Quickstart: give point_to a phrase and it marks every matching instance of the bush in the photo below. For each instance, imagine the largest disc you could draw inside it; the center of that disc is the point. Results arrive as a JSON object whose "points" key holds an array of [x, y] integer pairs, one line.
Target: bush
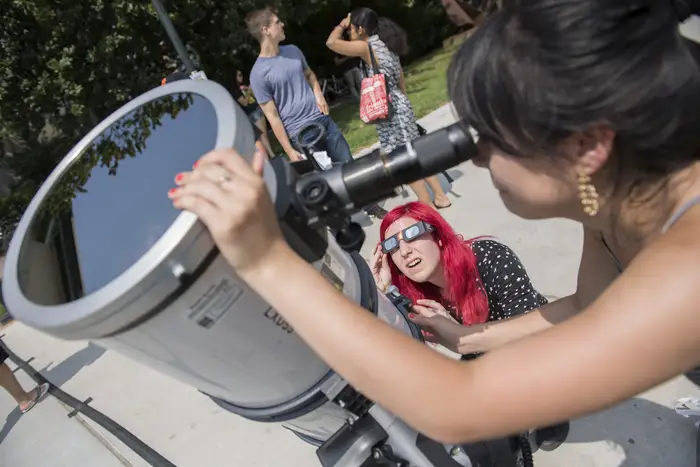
{"points": [[4, 315]]}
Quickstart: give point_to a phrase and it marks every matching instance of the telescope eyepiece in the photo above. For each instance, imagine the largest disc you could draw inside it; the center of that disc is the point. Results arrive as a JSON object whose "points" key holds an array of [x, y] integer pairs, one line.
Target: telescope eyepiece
{"points": [[375, 177]]}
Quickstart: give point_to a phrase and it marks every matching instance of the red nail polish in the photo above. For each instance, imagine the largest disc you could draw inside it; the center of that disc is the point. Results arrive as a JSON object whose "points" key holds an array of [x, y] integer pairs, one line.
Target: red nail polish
{"points": [[178, 177], [411, 315], [196, 164], [172, 191]]}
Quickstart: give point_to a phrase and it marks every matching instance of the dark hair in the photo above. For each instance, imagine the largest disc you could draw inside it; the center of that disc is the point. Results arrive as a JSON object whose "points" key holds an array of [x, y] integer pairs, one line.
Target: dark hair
{"points": [[393, 35], [538, 71], [258, 19], [365, 18]]}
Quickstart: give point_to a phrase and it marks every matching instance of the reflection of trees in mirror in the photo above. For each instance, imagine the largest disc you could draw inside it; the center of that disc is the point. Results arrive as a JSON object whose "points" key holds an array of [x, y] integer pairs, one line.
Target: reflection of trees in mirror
{"points": [[126, 138]]}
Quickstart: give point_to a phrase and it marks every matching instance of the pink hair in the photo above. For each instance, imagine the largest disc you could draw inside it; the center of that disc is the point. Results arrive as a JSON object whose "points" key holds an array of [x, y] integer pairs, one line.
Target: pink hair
{"points": [[457, 259]]}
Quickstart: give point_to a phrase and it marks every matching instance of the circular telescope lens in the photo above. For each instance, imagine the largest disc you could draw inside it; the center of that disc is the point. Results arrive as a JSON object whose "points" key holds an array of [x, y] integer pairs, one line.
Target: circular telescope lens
{"points": [[101, 254], [110, 207]]}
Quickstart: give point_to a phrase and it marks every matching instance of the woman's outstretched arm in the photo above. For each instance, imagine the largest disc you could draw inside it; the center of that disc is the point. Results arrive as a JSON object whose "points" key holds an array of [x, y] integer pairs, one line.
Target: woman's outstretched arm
{"points": [[596, 272], [640, 332]]}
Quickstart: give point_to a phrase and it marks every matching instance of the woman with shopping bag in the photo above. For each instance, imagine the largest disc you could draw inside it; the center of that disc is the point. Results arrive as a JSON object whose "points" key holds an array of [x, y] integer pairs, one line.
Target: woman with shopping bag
{"points": [[383, 100]]}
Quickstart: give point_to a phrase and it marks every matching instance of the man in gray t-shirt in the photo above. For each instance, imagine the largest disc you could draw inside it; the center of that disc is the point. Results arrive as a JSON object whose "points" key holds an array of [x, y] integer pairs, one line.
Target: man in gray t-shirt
{"points": [[282, 80], [290, 96]]}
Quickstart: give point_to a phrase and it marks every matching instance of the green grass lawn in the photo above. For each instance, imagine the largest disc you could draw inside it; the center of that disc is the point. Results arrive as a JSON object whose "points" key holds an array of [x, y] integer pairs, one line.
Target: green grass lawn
{"points": [[426, 80], [3, 315]]}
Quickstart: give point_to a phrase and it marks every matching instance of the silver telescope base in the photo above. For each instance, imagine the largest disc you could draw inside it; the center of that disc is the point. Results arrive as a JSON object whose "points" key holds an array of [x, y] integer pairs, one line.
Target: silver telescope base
{"points": [[380, 439]]}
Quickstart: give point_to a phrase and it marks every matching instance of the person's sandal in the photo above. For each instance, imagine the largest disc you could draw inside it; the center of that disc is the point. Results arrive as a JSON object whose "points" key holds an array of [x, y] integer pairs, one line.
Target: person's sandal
{"points": [[40, 392], [449, 203]]}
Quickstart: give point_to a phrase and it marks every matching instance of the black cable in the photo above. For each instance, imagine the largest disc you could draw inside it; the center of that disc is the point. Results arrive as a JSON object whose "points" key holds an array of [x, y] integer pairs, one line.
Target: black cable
{"points": [[526, 451], [147, 453]]}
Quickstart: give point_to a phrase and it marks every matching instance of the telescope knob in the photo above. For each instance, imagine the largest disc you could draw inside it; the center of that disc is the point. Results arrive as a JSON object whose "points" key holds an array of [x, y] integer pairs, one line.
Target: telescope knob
{"points": [[351, 237], [384, 456]]}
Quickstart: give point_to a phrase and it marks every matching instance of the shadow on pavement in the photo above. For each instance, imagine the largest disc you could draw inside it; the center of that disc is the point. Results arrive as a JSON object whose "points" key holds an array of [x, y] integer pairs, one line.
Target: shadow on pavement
{"points": [[649, 434], [58, 375], [456, 174], [64, 371], [10, 422]]}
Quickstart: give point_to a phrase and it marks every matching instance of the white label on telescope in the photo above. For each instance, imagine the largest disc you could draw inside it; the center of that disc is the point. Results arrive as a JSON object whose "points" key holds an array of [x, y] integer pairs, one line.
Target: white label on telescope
{"points": [[332, 271], [215, 302]]}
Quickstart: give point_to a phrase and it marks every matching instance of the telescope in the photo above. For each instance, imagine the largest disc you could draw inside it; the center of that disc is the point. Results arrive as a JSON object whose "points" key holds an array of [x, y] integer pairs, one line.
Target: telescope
{"points": [[101, 254]]}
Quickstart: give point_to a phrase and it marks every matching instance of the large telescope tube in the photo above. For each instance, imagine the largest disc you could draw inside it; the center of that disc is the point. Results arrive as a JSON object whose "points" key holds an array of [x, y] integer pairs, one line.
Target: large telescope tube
{"points": [[101, 254]]}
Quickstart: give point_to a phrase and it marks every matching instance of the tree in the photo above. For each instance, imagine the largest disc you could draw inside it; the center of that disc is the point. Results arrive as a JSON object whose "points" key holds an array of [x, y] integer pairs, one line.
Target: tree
{"points": [[65, 65], [64, 70]]}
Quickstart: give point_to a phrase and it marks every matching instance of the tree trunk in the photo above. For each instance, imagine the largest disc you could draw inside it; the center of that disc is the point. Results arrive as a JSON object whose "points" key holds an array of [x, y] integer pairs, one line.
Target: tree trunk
{"points": [[460, 13]]}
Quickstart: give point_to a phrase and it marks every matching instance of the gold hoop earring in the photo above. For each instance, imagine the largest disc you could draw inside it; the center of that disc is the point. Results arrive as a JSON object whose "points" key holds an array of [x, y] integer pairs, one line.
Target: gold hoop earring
{"points": [[588, 195]]}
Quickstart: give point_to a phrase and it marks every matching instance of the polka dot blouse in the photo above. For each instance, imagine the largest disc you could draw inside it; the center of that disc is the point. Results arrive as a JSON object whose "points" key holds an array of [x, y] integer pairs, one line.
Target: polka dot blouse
{"points": [[508, 287]]}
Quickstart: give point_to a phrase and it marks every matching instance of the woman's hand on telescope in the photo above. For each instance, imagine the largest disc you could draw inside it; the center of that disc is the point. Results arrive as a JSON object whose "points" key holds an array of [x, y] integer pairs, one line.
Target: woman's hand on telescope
{"points": [[229, 196], [440, 326], [430, 308]]}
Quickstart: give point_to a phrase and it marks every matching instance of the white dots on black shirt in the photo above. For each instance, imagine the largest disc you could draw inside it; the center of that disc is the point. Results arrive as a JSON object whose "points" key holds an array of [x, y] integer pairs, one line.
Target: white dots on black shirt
{"points": [[509, 289]]}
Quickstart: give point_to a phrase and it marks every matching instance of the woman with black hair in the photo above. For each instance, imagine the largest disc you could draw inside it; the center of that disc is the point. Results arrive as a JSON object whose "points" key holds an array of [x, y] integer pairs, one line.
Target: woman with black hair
{"points": [[585, 109], [387, 42]]}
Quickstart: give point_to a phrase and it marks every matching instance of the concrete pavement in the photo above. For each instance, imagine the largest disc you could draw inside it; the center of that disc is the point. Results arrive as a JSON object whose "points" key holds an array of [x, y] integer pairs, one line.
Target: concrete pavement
{"points": [[190, 431], [46, 437]]}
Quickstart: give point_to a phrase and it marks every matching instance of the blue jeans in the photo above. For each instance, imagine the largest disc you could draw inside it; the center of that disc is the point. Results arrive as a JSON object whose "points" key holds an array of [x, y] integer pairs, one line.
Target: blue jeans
{"points": [[333, 142]]}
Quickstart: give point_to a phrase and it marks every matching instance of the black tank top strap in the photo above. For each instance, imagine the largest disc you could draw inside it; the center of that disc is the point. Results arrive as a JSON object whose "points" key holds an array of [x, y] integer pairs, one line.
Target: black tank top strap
{"points": [[612, 254]]}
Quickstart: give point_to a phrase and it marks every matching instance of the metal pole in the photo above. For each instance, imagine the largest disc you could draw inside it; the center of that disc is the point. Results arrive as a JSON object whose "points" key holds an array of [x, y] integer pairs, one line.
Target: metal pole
{"points": [[172, 35]]}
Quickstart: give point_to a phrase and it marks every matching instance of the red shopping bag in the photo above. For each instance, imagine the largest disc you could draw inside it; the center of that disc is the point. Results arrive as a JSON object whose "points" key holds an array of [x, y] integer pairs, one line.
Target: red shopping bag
{"points": [[375, 100]]}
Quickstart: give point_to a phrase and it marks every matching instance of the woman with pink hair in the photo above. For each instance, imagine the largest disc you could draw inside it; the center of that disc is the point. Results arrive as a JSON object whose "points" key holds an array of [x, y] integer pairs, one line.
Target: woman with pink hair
{"points": [[467, 281], [471, 281]]}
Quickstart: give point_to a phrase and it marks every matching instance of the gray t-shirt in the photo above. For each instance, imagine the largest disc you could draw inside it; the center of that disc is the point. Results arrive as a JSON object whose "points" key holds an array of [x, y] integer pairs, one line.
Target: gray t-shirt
{"points": [[281, 79]]}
